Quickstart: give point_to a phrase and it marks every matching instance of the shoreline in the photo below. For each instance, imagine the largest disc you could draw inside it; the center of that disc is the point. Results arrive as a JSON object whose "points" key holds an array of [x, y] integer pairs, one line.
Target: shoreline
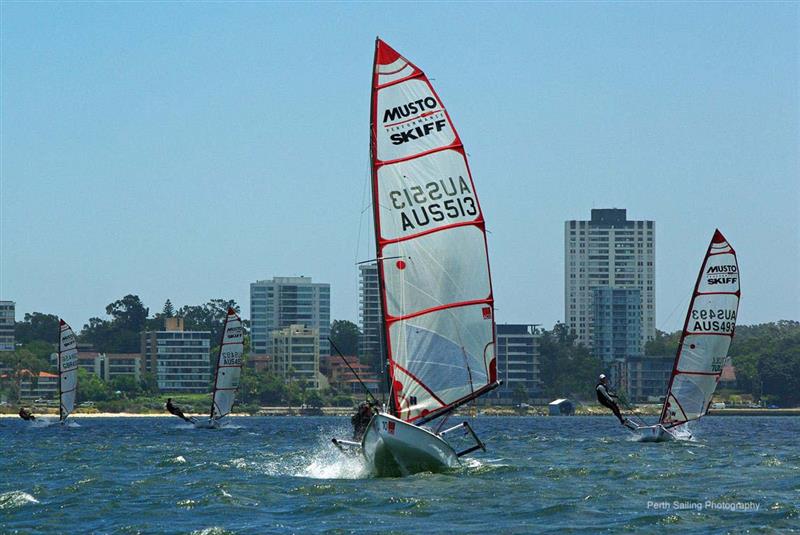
{"points": [[268, 412]]}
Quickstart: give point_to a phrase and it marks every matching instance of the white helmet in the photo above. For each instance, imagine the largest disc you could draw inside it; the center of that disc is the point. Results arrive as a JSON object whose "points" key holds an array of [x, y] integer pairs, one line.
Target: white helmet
{"points": [[602, 376]]}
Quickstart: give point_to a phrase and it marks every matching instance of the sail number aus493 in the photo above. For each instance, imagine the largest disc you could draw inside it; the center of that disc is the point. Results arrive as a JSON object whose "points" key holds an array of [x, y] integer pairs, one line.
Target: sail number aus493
{"points": [[716, 321], [231, 358]]}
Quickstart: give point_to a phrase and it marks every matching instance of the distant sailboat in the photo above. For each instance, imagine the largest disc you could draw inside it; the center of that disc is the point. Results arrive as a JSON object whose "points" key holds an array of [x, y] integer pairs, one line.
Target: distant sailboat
{"points": [[228, 371], [703, 347], [67, 370], [433, 271]]}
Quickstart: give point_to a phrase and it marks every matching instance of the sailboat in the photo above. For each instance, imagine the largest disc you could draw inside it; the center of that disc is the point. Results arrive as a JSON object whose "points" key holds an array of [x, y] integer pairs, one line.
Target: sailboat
{"points": [[228, 372], [703, 347], [433, 273], [67, 371]]}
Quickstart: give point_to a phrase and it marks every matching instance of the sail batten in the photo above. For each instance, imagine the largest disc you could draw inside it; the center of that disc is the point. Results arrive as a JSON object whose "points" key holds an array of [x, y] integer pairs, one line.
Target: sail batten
{"points": [[228, 368], [706, 336], [434, 279]]}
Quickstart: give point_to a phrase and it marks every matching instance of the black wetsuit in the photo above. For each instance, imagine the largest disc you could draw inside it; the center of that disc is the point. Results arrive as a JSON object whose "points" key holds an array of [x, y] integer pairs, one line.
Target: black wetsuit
{"points": [[173, 409], [360, 420], [26, 415], [606, 398]]}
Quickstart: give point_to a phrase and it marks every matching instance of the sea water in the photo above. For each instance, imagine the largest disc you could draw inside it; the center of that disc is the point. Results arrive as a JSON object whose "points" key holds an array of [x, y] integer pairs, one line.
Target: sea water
{"points": [[283, 475]]}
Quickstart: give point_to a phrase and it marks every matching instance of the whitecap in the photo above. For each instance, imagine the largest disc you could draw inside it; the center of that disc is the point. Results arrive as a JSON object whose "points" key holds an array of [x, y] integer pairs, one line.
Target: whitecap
{"points": [[15, 499]]}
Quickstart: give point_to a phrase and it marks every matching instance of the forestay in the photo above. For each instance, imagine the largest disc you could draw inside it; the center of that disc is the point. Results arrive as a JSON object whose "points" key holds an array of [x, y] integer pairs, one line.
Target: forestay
{"points": [[434, 270], [707, 334], [67, 370], [229, 366]]}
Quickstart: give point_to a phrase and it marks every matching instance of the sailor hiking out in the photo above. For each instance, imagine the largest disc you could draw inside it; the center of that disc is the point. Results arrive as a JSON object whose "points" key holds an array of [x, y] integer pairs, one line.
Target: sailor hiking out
{"points": [[174, 409], [607, 398]]}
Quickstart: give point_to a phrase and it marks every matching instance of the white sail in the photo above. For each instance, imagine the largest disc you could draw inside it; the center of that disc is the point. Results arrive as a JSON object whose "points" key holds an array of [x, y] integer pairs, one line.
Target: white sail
{"points": [[67, 370], [229, 366], [437, 297], [707, 335]]}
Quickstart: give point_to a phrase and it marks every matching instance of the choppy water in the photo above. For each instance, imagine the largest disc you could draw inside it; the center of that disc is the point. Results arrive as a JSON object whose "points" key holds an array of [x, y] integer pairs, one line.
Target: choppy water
{"points": [[569, 474]]}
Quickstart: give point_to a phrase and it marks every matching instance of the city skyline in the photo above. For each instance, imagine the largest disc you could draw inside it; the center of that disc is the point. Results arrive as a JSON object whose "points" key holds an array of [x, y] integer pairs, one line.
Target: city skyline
{"points": [[138, 146]]}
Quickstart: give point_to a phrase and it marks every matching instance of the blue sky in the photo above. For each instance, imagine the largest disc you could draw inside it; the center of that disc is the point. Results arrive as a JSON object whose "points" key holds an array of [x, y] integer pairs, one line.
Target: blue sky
{"points": [[182, 150]]}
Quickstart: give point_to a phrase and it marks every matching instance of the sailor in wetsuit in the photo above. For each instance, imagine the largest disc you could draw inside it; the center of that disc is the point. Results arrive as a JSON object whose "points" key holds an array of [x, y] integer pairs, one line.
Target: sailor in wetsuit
{"points": [[26, 414], [174, 409], [608, 398], [361, 419]]}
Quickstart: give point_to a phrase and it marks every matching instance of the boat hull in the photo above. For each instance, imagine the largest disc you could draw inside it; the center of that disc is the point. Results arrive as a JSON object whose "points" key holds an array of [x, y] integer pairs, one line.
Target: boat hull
{"points": [[653, 433], [207, 424], [393, 447]]}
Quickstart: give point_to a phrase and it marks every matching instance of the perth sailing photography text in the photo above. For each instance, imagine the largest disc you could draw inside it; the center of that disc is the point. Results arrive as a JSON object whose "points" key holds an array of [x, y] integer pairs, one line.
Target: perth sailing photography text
{"points": [[434, 300]]}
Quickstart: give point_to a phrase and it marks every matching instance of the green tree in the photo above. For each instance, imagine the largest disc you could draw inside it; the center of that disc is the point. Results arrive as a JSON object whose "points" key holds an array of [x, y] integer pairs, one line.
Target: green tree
{"points": [[519, 394], [127, 384], [663, 344], [128, 313], [148, 384], [344, 335], [567, 369], [37, 326], [313, 398], [208, 317], [91, 387], [169, 310], [20, 363]]}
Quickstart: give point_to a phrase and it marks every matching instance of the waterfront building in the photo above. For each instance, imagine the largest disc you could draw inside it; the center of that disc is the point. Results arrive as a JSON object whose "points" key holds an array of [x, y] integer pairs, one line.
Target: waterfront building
{"points": [[608, 250], [517, 363], [7, 323], [370, 343], [284, 301], [341, 377], [648, 377], [296, 355], [617, 314], [180, 359]]}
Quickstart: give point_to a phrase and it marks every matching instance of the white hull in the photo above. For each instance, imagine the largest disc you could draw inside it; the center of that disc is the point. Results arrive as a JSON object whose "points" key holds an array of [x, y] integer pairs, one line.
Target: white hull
{"points": [[653, 433], [393, 447], [207, 424]]}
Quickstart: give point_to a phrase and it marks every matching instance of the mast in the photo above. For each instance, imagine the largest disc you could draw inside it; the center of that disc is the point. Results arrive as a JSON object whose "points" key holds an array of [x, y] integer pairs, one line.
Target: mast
{"points": [[384, 351]]}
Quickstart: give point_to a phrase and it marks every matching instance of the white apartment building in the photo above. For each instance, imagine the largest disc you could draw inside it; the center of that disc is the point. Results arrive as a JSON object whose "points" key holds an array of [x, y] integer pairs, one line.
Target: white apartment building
{"points": [[180, 359], [370, 343], [284, 301], [6, 325], [296, 354], [608, 250]]}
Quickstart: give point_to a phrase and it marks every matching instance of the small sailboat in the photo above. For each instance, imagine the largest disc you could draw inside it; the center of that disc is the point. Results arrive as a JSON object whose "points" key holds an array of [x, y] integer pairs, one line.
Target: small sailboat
{"points": [[703, 347], [433, 273], [67, 370], [228, 372]]}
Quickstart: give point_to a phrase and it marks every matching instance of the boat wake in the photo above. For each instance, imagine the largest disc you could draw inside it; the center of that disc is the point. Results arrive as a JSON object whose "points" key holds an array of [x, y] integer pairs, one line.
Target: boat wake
{"points": [[15, 499], [319, 461], [40, 423], [327, 462]]}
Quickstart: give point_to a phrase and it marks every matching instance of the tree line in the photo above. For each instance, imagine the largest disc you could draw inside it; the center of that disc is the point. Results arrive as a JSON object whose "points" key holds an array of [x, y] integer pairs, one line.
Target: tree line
{"points": [[120, 332], [766, 358]]}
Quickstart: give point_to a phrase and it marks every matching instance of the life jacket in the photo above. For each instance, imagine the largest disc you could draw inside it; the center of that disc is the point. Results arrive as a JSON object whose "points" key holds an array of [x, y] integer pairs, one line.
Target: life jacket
{"points": [[603, 396]]}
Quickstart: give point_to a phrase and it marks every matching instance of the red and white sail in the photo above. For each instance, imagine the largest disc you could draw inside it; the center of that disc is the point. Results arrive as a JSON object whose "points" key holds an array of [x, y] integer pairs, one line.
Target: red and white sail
{"points": [[229, 366], [431, 244], [707, 335], [67, 370]]}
